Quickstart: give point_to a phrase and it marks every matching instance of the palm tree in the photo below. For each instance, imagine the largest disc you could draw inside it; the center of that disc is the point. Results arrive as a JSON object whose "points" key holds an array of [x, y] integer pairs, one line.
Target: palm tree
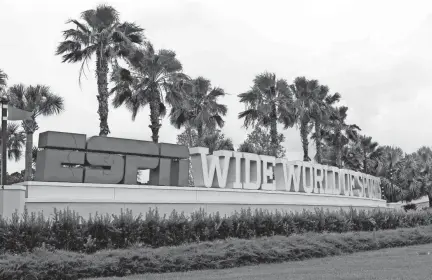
{"points": [[101, 34], [423, 175], [307, 106], [370, 153], [268, 103], [40, 100], [154, 78], [388, 164], [3, 80], [339, 133], [16, 141], [322, 117], [199, 108]]}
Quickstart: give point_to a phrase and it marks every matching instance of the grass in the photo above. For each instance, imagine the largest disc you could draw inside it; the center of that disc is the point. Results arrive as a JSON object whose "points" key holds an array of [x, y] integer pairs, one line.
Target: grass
{"points": [[43, 264], [397, 263]]}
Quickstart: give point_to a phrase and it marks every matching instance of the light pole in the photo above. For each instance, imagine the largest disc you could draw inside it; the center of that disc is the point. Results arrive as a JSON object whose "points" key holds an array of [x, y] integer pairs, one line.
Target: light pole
{"points": [[4, 106]]}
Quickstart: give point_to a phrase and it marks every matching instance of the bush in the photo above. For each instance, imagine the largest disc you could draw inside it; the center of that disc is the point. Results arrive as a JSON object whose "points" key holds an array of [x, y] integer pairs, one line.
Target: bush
{"points": [[410, 206], [66, 230], [48, 265]]}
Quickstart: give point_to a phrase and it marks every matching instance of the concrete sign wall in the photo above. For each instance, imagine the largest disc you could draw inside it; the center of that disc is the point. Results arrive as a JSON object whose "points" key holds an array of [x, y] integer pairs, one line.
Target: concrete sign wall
{"points": [[69, 157]]}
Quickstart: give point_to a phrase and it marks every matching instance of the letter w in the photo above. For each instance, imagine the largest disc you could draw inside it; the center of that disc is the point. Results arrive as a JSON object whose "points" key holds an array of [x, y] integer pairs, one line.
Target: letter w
{"points": [[205, 167]]}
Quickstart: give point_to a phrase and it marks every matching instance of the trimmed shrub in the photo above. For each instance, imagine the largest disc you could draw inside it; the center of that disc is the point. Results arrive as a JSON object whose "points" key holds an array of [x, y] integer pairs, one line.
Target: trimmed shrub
{"points": [[66, 230], [44, 264]]}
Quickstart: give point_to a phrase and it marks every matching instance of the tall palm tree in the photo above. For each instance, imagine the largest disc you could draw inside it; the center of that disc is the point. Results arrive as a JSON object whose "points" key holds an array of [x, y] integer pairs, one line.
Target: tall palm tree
{"points": [[100, 34], [307, 106], [41, 101], [199, 108], [154, 78], [321, 118], [340, 133], [268, 103]]}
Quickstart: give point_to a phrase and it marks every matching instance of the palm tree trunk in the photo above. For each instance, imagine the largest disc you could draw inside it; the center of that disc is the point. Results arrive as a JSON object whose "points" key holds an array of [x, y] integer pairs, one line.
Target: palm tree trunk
{"points": [[364, 163], [102, 82], [189, 131], [200, 134], [318, 142], [154, 117], [304, 140], [338, 152], [273, 131], [28, 157]]}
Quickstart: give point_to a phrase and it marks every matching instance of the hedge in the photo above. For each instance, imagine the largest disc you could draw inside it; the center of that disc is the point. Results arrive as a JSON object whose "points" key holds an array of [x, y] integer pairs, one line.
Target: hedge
{"points": [[47, 265], [66, 230]]}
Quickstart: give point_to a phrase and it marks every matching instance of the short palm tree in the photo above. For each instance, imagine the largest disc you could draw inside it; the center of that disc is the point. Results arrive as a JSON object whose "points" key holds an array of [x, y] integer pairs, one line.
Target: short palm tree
{"points": [[199, 108], [3, 80], [388, 165], [41, 101], [100, 34], [268, 103], [339, 133], [423, 175], [369, 152], [16, 141], [154, 79], [307, 106]]}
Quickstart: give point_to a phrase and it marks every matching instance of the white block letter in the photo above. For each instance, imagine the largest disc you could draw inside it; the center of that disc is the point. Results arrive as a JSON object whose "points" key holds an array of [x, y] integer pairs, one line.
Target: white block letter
{"points": [[252, 171], [268, 163]]}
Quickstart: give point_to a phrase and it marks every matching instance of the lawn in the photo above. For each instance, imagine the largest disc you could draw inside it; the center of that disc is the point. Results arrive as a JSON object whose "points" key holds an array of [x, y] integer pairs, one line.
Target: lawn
{"points": [[411, 263]]}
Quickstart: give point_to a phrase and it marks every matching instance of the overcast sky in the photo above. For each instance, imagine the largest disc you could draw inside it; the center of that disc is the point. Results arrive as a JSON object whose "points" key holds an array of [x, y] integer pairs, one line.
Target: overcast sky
{"points": [[377, 54]]}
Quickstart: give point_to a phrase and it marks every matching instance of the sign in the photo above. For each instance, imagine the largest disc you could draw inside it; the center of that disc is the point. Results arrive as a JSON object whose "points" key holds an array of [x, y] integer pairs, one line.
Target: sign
{"points": [[69, 157], [229, 169]]}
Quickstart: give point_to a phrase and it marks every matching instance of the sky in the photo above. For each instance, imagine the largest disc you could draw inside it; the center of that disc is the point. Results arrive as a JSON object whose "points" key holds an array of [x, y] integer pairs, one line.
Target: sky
{"points": [[376, 54]]}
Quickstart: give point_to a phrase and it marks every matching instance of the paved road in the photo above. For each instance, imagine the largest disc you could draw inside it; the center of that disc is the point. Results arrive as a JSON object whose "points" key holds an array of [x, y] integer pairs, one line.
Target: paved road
{"points": [[391, 264]]}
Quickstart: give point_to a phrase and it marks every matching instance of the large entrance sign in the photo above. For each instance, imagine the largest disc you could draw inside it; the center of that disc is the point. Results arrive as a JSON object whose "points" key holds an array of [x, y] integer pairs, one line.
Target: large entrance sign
{"points": [[228, 169], [71, 158]]}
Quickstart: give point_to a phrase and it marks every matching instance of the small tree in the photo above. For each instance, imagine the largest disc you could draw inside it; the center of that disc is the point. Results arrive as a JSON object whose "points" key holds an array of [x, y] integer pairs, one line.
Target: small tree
{"points": [[257, 143]]}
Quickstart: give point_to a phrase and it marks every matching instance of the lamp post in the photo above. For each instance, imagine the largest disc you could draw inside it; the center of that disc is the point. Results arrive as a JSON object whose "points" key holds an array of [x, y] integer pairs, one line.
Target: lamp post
{"points": [[4, 106]]}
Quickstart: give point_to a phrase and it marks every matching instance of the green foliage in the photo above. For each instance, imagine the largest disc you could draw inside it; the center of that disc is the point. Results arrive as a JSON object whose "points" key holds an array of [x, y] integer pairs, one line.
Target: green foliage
{"points": [[257, 143], [199, 107], [66, 230], [49, 265], [268, 102]]}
